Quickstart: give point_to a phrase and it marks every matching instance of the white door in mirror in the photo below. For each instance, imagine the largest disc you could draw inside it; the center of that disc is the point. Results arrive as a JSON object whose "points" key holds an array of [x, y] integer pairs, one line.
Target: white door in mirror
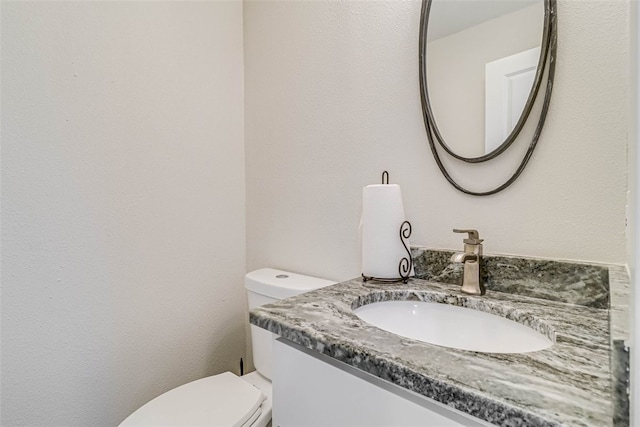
{"points": [[508, 83]]}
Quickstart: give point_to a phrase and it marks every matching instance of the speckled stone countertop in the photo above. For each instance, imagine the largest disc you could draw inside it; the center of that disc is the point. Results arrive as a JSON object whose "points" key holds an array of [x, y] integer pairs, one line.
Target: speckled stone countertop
{"points": [[571, 383]]}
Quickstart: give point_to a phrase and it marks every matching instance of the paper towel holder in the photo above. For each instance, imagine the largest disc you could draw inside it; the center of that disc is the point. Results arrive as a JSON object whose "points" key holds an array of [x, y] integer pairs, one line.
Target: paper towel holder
{"points": [[406, 263]]}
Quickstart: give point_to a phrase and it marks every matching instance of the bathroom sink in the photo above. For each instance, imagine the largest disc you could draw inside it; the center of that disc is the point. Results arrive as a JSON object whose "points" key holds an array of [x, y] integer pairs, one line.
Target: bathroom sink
{"points": [[452, 326]]}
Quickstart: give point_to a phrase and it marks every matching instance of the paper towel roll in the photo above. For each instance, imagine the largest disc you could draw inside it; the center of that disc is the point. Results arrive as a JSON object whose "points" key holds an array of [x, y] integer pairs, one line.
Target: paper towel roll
{"points": [[382, 216]]}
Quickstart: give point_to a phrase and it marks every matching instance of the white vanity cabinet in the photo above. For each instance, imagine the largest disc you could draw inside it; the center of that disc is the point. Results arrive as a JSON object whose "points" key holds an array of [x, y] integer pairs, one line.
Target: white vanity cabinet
{"points": [[311, 389]]}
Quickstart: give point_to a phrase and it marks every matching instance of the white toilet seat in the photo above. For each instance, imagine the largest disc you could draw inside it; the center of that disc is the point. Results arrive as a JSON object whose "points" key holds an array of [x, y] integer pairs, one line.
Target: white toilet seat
{"points": [[264, 385], [220, 400]]}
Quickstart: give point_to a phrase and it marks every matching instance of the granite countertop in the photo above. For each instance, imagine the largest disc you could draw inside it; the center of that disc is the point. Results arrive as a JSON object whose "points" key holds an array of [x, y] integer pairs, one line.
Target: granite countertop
{"points": [[568, 384]]}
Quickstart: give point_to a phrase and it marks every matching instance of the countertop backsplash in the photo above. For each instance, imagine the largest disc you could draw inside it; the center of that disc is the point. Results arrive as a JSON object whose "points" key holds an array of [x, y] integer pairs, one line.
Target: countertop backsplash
{"points": [[564, 281]]}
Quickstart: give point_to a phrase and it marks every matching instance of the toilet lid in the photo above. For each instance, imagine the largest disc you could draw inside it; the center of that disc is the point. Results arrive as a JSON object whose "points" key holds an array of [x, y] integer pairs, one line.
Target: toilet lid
{"points": [[220, 400]]}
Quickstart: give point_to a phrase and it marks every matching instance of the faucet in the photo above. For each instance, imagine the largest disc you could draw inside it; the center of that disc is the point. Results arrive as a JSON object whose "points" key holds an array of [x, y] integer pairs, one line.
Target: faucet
{"points": [[471, 258]]}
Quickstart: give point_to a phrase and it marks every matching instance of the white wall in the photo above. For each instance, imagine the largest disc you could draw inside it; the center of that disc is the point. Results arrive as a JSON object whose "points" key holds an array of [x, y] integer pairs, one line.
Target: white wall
{"points": [[332, 100], [123, 204]]}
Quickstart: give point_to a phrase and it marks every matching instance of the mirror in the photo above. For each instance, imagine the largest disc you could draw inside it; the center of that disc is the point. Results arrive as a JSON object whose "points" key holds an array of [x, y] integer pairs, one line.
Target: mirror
{"points": [[482, 63]]}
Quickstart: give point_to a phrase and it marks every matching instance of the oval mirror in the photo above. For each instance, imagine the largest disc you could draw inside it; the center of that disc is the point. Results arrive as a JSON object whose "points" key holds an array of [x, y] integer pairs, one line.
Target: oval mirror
{"points": [[482, 63]]}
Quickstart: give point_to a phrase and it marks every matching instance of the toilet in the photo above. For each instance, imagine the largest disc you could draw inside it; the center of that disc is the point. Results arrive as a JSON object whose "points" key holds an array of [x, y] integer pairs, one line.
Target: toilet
{"points": [[226, 399]]}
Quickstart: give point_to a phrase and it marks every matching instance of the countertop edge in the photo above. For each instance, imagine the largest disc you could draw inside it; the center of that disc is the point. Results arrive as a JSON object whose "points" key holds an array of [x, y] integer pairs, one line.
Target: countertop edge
{"points": [[619, 297], [481, 406]]}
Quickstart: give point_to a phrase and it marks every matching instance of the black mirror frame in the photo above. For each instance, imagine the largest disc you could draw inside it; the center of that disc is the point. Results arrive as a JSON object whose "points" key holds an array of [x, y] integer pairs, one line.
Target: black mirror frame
{"points": [[546, 61]]}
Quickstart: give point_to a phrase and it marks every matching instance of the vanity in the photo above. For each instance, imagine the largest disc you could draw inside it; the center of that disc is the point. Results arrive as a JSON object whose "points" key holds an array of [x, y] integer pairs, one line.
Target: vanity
{"points": [[333, 368]]}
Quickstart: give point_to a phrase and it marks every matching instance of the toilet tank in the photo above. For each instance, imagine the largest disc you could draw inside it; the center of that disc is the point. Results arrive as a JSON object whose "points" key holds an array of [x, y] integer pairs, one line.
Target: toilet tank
{"points": [[269, 285]]}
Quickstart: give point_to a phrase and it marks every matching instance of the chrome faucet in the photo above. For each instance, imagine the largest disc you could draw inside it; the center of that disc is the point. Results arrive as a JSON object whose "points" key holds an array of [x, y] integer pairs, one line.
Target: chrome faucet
{"points": [[471, 258]]}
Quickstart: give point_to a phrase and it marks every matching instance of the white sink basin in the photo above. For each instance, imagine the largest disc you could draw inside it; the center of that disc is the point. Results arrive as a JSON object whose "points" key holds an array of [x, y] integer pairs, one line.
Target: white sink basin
{"points": [[452, 326]]}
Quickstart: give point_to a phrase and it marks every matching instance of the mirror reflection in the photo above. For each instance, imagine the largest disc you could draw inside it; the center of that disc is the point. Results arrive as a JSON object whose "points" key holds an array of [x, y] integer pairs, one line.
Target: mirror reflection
{"points": [[481, 60]]}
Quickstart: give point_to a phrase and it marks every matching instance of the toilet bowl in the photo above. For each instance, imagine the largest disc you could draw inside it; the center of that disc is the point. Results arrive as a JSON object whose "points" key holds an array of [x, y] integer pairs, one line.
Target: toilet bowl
{"points": [[227, 399]]}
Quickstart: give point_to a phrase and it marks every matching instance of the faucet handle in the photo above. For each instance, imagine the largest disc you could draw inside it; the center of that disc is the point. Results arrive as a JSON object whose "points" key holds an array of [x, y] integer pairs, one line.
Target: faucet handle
{"points": [[474, 236]]}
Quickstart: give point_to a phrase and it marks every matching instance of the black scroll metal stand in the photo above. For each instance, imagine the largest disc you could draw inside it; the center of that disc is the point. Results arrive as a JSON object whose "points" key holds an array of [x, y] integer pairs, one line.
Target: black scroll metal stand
{"points": [[406, 263]]}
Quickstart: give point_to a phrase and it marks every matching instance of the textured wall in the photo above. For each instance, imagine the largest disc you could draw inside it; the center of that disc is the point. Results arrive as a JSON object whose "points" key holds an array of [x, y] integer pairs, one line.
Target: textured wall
{"points": [[122, 204], [332, 100]]}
